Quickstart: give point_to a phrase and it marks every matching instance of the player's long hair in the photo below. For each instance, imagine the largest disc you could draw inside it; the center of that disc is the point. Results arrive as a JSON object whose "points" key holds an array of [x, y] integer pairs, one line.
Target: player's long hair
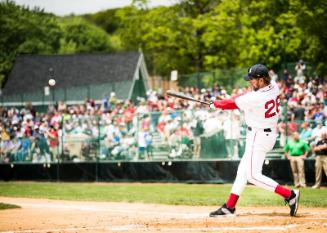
{"points": [[267, 80]]}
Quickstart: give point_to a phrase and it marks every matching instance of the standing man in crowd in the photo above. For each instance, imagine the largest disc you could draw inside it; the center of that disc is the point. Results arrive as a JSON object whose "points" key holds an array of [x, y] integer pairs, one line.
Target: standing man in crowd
{"points": [[53, 139], [197, 131], [232, 134], [306, 132], [299, 68], [261, 108], [316, 134], [296, 150], [321, 159]]}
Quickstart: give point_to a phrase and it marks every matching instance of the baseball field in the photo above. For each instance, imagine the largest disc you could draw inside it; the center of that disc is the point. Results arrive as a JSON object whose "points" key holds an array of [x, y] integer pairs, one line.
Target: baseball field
{"points": [[151, 207]]}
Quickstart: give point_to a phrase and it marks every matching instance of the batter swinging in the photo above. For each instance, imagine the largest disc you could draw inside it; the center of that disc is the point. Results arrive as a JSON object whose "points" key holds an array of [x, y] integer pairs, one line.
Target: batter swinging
{"points": [[261, 107]]}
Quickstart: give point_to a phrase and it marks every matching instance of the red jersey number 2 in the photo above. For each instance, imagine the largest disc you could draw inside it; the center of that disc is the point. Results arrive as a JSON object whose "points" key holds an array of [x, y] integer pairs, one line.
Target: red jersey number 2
{"points": [[272, 107]]}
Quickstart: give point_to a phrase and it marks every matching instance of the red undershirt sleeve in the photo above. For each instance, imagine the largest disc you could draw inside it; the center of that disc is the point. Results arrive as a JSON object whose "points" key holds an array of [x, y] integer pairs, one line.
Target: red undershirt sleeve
{"points": [[228, 104]]}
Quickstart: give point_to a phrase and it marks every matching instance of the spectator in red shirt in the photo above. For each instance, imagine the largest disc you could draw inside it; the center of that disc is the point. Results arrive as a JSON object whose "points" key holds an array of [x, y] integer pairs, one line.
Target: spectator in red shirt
{"points": [[129, 113], [53, 139], [286, 130]]}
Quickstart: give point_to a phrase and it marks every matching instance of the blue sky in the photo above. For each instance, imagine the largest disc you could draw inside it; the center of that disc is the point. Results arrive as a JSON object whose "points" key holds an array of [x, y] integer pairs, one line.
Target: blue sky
{"points": [[66, 7]]}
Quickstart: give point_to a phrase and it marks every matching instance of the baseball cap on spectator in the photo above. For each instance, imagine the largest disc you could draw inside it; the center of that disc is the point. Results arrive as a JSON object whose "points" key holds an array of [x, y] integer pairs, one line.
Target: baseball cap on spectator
{"points": [[256, 71]]}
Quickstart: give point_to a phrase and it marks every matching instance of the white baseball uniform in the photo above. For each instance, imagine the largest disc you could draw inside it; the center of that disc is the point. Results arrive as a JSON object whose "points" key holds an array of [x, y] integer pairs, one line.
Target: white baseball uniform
{"points": [[261, 109]]}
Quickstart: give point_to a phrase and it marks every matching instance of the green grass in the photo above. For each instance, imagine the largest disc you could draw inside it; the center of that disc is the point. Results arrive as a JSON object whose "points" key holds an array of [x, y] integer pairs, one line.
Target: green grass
{"points": [[4, 206], [174, 194]]}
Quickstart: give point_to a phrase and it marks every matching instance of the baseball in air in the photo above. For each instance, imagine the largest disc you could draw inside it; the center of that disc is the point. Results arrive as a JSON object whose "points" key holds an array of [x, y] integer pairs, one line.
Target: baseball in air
{"points": [[52, 82]]}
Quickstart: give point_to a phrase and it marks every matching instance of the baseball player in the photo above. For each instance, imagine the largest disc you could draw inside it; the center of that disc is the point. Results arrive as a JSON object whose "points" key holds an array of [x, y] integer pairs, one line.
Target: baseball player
{"points": [[261, 107]]}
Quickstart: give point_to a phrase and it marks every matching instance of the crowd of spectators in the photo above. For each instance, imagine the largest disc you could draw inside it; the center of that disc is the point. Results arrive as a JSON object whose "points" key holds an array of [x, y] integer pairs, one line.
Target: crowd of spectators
{"points": [[123, 129]]}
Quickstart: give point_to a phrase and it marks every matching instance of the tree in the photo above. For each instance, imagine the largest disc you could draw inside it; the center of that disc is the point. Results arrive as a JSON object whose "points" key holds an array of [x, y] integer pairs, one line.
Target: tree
{"points": [[311, 18], [31, 31], [191, 36], [25, 31], [106, 19], [156, 32], [80, 36], [221, 35]]}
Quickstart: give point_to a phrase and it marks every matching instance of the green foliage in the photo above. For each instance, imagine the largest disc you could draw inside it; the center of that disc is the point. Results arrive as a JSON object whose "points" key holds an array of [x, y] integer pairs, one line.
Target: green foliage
{"points": [[80, 36], [312, 19], [107, 19], [226, 78], [191, 36], [161, 38], [25, 31], [32, 31], [194, 36], [221, 35], [174, 194]]}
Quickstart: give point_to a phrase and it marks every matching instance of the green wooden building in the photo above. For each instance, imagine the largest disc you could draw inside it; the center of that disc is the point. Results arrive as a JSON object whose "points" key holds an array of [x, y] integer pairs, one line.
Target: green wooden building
{"points": [[77, 77]]}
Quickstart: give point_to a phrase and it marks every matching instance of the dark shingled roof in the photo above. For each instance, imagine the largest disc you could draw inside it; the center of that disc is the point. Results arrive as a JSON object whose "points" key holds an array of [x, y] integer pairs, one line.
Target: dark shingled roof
{"points": [[32, 72]]}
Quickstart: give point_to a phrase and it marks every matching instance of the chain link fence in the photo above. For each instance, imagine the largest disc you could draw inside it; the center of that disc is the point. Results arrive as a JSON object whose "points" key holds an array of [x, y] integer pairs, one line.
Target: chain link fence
{"points": [[157, 136]]}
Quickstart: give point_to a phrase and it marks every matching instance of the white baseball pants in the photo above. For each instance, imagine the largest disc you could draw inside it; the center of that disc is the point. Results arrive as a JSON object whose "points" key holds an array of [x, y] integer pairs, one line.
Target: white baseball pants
{"points": [[258, 143]]}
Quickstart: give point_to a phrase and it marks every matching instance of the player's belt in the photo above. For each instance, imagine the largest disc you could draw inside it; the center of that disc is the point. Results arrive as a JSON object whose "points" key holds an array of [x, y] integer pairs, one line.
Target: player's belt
{"points": [[267, 130]]}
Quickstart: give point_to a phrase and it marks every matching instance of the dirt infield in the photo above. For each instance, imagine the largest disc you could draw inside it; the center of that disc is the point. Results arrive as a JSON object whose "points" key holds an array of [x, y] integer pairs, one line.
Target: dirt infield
{"points": [[40, 215]]}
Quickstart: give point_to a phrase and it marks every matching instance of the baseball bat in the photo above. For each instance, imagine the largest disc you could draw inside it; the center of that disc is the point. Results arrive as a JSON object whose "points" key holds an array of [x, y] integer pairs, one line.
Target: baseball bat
{"points": [[185, 97]]}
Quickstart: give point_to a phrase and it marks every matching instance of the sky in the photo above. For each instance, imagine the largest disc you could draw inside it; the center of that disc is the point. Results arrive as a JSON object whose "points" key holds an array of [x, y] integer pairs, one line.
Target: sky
{"points": [[66, 7]]}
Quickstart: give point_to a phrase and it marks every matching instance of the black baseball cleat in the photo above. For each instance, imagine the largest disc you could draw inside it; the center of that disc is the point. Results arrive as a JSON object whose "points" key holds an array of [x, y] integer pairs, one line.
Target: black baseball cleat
{"points": [[293, 201], [224, 210]]}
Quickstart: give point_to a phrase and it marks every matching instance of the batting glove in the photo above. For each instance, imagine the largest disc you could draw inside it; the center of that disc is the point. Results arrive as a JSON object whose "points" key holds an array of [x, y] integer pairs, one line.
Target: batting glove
{"points": [[211, 105]]}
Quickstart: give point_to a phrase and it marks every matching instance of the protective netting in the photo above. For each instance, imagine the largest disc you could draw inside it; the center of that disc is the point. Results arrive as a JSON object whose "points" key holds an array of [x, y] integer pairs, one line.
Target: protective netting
{"points": [[51, 94], [199, 134]]}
